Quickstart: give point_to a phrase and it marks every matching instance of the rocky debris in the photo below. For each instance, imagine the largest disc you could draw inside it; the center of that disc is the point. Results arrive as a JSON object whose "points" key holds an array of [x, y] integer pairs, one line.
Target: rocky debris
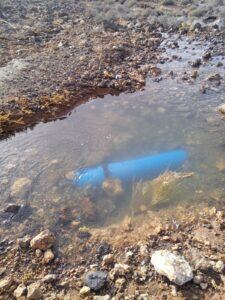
{"points": [[34, 291], [95, 280], [112, 187], [20, 291], [174, 267], [6, 283], [208, 237], [48, 256], [214, 77], [43, 241], [221, 108], [49, 278], [21, 187], [85, 291]]}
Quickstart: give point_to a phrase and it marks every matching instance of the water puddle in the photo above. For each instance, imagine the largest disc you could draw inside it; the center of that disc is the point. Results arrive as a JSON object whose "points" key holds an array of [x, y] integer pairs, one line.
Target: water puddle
{"points": [[36, 165]]}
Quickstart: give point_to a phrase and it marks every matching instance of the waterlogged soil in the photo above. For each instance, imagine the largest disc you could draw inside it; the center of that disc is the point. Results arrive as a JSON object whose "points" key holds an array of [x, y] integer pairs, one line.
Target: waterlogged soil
{"points": [[176, 109]]}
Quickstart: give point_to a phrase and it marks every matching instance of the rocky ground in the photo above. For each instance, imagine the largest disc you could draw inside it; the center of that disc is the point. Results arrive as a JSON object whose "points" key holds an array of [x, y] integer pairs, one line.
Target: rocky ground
{"points": [[56, 54]]}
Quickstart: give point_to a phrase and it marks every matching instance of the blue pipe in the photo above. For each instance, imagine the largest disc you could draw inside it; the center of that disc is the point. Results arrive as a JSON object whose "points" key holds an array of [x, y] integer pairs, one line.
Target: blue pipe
{"points": [[147, 167]]}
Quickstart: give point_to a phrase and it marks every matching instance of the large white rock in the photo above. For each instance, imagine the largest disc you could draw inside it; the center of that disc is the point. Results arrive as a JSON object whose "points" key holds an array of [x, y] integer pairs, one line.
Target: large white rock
{"points": [[174, 267], [221, 108]]}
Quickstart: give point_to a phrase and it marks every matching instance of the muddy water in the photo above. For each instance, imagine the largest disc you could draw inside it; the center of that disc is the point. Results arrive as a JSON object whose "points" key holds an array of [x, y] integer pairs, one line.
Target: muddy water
{"points": [[166, 115]]}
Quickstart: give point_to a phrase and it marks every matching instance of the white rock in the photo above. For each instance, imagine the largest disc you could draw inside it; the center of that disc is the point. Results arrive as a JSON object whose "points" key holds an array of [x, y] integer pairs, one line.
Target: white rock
{"points": [[174, 267], [221, 108], [34, 291], [106, 297], [6, 283], [219, 266], [20, 291]]}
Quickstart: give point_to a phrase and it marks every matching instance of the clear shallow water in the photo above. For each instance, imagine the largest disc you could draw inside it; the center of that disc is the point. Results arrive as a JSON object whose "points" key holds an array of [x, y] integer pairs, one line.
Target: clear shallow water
{"points": [[166, 115]]}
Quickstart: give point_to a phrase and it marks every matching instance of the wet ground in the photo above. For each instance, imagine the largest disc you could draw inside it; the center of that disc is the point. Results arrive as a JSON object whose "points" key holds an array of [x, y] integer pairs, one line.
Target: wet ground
{"points": [[168, 114]]}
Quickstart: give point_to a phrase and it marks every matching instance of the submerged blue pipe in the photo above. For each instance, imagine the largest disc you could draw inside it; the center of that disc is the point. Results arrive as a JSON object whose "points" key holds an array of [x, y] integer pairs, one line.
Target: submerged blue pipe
{"points": [[147, 167]]}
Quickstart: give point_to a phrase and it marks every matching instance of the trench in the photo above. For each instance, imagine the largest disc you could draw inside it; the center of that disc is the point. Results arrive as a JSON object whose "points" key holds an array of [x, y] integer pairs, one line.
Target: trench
{"points": [[168, 114]]}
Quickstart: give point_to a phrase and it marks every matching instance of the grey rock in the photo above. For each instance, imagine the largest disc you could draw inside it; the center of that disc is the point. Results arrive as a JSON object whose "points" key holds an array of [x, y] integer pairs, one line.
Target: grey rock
{"points": [[174, 267], [95, 280]]}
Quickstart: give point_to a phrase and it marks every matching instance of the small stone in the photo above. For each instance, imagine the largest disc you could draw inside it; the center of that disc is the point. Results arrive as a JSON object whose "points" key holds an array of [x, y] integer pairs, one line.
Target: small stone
{"points": [[2, 271], [34, 291], [108, 259], [95, 280], [174, 291], [48, 256], [20, 187], [143, 297], [144, 250], [219, 266], [20, 291], [196, 63], [221, 108], [174, 267], [49, 278], [198, 279], [43, 240], [24, 242], [203, 286], [38, 253], [106, 297], [85, 291], [6, 283], [121, 269], [128, 256]]}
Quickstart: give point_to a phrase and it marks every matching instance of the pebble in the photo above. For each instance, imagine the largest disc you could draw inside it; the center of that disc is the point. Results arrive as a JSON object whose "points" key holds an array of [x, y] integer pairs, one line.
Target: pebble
{"points": [[49, 278], [174, 267], [219, 266], [85, 291], [108, 259], [121, 269], [95, 280], [106, 297], [24, 242], [34, 291], [43, 241], [198, 279], [6, 283], [20, 291], [48, 256]]}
